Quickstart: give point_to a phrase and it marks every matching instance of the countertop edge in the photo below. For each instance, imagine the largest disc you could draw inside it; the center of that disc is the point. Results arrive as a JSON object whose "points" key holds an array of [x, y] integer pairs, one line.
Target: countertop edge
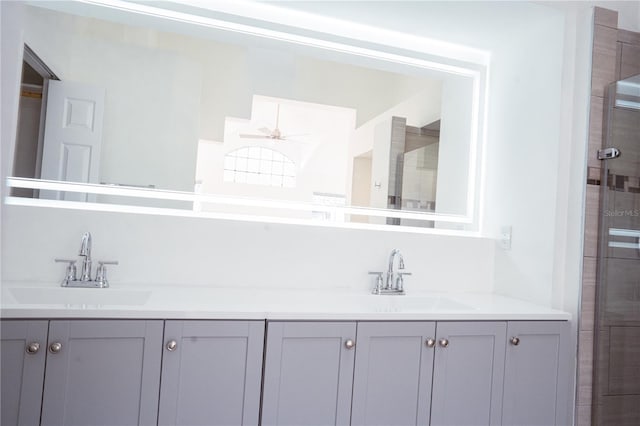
{"points": [[45, 314], [21, 301]]}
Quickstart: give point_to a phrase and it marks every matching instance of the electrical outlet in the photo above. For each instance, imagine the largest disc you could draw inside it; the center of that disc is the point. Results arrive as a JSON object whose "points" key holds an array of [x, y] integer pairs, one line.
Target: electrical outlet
{"points": [[505, 237]]}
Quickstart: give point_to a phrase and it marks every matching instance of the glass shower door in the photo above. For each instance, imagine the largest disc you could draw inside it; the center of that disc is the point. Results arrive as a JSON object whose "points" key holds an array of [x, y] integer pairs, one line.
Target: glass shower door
{"points": [[616, 390]]}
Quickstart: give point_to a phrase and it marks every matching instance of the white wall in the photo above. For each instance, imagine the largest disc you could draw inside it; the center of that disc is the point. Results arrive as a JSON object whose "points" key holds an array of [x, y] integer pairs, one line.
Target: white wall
{"points": [[522, 155], [572, 156], [380, 157], [455, 141], [170, 250]]}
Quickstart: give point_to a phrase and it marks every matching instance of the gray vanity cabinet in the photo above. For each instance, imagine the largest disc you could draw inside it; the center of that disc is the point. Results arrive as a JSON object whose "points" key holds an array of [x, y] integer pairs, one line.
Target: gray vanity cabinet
{"points": [[468, 373], [22, 357], [102, 372], [211, 373], [393, 372], [399, 373], [537, 376], [308, 373]]}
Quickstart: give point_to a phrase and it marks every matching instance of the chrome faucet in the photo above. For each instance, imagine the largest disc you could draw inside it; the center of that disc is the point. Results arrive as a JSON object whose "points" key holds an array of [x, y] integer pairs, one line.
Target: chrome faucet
{"points": [[85, 252], [390, 273], [394, 283], [70, 279]]}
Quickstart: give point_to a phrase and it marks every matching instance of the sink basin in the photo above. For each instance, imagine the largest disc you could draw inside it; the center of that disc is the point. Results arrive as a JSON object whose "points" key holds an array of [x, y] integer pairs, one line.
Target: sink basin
{"points": [[79, 296], [418, 304]]}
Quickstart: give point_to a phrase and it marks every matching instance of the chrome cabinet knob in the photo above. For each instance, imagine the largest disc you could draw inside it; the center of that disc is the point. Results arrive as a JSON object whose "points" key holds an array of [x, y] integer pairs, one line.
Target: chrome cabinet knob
{"points": [[430, 342], [349, 344], [56, 347], [33, 348], [444, 343], [172, 345], [514, 341]]}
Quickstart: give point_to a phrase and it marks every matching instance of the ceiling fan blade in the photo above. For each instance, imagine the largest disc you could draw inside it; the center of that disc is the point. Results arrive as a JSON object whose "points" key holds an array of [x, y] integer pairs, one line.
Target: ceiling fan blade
{"points": [[244, 135], [274, 134]]}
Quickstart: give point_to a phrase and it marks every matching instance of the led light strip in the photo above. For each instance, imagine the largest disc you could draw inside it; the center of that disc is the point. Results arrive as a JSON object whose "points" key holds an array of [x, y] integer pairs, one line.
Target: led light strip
{"points": [[353, 30], [169, 195], [120, 208], [204, 21]]}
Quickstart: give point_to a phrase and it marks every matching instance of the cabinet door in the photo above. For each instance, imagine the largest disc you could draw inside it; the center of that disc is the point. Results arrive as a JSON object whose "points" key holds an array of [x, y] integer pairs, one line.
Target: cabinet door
{"points": [[468, 373], [212, 375], [105, 372], [22, 353], [536, 383], [393, 371], [308, 374]]}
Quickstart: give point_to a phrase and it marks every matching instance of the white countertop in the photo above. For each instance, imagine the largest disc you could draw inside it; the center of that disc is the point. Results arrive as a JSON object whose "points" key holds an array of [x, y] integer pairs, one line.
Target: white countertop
{"points": [[28, 300]]}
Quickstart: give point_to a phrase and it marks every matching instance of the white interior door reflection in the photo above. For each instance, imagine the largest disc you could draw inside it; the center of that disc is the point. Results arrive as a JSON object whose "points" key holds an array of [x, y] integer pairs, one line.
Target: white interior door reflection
{"points": [[72, 136]]}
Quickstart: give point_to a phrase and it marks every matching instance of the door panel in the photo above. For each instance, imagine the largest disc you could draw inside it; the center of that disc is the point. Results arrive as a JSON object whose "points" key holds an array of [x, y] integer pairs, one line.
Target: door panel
{"points": [[537, 374], [22, 372], [468, 374], [308, 374], [106, 372], [393, 372], [214, 374], [617, 320], [72, 136]]}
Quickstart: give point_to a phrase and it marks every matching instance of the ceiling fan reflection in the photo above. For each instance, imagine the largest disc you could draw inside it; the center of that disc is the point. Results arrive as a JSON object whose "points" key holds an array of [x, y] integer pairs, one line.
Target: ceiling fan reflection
{"points": [[273, 134]]}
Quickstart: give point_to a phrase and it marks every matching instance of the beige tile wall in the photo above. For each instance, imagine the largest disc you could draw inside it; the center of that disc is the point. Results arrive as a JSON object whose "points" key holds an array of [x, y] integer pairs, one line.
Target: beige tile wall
{"points": [[604, 71], [616, 55]]}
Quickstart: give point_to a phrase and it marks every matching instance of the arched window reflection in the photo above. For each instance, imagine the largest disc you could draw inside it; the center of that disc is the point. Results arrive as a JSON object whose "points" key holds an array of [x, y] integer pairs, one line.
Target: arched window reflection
{"points": [[257, 165]]}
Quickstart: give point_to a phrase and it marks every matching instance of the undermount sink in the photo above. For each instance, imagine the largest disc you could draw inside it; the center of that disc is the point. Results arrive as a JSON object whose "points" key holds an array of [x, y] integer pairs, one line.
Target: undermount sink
{"points": [[419, 304], [79, 296]]}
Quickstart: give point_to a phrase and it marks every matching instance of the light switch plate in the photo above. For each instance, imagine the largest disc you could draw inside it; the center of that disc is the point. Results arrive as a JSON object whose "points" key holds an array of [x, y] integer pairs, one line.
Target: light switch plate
{"points": [[506, 233]]}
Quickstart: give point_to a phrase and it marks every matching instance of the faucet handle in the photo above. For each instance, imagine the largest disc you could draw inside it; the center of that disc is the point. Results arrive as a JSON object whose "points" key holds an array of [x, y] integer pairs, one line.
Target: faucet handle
{"points": [[400, 280], [379, 282], [70, 274], [101, 272]]}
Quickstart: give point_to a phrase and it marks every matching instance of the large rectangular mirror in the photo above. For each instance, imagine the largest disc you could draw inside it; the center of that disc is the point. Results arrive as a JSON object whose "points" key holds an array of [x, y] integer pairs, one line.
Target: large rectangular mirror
{"points": [[347, 133]]}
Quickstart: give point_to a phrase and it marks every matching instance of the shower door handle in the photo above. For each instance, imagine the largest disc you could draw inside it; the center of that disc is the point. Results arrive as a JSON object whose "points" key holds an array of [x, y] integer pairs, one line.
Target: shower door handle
{"points": [[608, 153]]}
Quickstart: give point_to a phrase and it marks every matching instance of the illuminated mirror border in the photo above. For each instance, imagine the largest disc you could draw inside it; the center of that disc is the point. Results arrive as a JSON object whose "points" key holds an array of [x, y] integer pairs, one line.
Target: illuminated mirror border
{"points": [[477, 71], [334, 213]]}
